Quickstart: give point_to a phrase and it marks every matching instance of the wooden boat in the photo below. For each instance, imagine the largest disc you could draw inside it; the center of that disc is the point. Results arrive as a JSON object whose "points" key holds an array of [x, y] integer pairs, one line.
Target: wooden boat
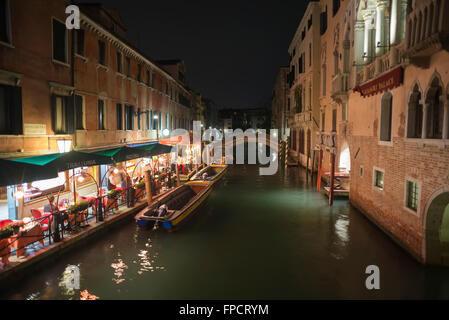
{"points": [[211, 173], [175, 207], [341, 184]]}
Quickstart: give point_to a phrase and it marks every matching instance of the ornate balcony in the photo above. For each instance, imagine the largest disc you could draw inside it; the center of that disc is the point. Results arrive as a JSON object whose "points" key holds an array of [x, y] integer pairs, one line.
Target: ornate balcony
{"points": [[427, 31], [340, 86], [327, 141]]}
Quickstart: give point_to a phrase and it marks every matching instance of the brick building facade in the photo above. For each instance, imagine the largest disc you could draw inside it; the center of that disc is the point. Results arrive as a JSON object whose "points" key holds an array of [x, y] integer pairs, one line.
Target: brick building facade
{"points": [[384, 96], [86, 89]]}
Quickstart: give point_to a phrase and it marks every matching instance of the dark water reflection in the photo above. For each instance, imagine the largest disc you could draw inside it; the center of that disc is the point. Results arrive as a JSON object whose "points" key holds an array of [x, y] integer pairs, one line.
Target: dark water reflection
{"points": [[261, 237]]}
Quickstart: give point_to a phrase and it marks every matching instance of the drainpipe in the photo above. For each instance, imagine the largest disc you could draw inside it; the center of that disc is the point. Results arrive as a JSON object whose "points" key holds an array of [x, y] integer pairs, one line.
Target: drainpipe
{"points": [[72, 71]]}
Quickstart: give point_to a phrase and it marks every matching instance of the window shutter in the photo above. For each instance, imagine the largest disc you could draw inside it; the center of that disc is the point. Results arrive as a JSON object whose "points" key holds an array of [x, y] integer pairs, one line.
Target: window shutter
{"points": [[16, 111], [131, 110], [53, 113], [70, 114]]}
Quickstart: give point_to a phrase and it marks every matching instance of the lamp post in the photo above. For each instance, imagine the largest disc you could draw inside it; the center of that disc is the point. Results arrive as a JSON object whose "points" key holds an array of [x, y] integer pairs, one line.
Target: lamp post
{"points": [[99, 207], [156, 117]]}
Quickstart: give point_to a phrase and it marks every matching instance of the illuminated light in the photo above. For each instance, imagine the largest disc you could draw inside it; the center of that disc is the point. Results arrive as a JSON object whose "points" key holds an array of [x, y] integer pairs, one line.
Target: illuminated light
{"points": [[166, 132], [64, 145], [155, 117], [116, 171], [19, 194], [80, 179]]}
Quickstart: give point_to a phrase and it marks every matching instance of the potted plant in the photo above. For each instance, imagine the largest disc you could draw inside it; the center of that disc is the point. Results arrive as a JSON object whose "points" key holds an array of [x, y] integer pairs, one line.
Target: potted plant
{"points": [[113, 194], [6, 232], [16, 226], [78, 207], [140, 185]]}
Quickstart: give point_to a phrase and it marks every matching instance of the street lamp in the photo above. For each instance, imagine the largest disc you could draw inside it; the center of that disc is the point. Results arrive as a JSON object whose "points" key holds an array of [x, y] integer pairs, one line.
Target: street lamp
{"points": [[81, 178]]}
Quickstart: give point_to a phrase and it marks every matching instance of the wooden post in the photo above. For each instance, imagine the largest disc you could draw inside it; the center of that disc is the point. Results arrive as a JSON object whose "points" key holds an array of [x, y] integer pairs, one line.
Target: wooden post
{"points": [[148, 186], [286, 154], [74, 186], [320, 168], [178, 180], [331, 193]]}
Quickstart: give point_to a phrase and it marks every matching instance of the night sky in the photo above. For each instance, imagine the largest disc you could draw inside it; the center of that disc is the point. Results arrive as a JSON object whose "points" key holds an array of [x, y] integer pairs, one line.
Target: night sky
{"points": [[232, 49]]}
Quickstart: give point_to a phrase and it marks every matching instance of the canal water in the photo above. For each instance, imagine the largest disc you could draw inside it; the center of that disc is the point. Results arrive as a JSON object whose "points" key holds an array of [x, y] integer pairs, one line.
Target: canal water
{"points": [[257, 237]]}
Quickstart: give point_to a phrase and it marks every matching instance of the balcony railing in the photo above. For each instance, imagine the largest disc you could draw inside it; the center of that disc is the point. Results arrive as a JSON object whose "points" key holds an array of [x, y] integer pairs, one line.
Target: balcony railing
{"points": [[427, 31], [303, 117], [340, 86], [327, 141]]}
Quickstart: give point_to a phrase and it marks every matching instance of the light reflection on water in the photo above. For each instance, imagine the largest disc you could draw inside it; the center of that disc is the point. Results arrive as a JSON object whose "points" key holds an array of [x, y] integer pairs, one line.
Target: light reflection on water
{"points": [[258, 237]]}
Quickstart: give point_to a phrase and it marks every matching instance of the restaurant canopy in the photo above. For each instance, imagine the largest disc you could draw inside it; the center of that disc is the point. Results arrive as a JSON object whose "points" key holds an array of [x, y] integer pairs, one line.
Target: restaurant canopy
{"points": [[182, 140], [122, 154], [154, 149], [67, 161], [12, 173]]}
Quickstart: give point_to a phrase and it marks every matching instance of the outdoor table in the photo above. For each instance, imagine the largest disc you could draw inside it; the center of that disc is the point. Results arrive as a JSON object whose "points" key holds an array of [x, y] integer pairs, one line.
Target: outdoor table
{"points": [[78, 217], [110, 204], [27, 235], [5, 251]]}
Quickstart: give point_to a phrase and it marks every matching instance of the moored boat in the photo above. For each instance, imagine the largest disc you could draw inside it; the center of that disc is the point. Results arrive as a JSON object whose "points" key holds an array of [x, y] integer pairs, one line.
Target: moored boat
{"points": [[212, 173], [174, 208]]}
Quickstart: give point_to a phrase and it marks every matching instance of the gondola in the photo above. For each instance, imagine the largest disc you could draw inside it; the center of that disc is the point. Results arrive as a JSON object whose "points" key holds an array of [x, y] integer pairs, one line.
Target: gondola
{"points": [[174, 208], [212, 173]]}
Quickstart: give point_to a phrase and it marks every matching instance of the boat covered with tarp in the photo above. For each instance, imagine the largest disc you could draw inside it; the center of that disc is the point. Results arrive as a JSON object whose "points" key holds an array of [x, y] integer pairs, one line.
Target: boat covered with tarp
{"points": [[212, 173], [176, 206]]}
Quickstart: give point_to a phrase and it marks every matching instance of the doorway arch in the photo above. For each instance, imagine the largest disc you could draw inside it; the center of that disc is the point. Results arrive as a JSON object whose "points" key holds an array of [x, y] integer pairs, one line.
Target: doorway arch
{"points": [[344, 163], [437, 230]]}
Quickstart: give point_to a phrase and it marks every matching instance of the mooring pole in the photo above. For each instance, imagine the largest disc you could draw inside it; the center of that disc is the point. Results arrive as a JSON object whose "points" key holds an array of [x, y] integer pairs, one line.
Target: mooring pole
{"points": [[320, 168], [148, 186], [331, 193]]}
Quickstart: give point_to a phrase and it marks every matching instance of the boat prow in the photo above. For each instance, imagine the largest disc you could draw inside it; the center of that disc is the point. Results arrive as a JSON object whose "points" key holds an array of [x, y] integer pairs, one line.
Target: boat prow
{"points": [[175, 207]]}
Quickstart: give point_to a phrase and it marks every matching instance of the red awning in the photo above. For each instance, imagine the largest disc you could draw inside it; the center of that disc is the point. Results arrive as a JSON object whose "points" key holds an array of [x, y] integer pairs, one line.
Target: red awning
{"points": [[386, 82], [183, 140]]}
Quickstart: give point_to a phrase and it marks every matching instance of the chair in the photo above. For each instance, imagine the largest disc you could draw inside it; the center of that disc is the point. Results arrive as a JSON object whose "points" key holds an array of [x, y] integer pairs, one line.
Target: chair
{"points": [[45, 223]]}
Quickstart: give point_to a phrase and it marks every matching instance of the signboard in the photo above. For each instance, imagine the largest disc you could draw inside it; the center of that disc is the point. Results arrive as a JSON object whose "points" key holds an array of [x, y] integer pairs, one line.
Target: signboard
{"points": [[32, 129], [386, 82]]}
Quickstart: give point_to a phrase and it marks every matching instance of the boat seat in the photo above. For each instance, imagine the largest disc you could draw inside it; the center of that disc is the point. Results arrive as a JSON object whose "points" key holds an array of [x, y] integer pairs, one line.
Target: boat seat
{"points": [[180, 200]]}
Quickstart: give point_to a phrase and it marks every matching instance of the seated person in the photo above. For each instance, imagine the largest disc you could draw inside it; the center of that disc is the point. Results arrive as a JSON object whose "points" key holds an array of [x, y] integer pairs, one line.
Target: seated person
{"points": [[51, 206]]}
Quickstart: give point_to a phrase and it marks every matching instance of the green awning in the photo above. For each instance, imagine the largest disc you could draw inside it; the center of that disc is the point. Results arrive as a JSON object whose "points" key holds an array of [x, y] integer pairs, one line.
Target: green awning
{"points": [[154, 149], [12, 173], [122, 154], [67, 161]]}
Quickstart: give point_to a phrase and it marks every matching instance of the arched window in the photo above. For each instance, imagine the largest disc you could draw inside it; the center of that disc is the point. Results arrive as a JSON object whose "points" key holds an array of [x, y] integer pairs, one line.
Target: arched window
{"points": [[386, 113], [435, 111], [415, 115]]}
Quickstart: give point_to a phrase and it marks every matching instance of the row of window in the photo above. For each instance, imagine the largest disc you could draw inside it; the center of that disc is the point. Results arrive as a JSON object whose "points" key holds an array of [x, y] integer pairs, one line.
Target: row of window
{"points": [[411, 189], [434, 114], [123, 63], [68, 114]]}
